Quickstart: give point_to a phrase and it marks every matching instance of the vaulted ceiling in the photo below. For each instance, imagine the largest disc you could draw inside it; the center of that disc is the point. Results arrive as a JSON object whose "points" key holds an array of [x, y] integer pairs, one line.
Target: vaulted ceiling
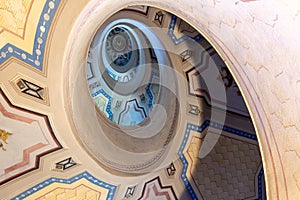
{"points": [[178, 128]]}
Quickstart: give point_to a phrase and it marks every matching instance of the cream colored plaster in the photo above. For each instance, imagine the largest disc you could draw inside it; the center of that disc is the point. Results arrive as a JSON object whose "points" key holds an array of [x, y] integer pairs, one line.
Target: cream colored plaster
{"points": [[250, 36], [259, 41], [18, 22]]}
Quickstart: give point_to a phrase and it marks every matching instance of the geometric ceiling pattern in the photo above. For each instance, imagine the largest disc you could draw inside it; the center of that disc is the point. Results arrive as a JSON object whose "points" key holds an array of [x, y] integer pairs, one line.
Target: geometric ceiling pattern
{"points": [[180, 31], [31, 137], [212, 175], [197, 87], [233, 167], [81, 186], [124, 64], [14, 18], [153, 189], [22, 39], [29, 89], [232, 170]]}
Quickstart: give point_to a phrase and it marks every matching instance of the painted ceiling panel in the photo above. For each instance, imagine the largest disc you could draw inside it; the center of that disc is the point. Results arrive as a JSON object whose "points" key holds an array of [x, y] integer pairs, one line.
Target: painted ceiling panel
{"points": [[14, 16], [24, 30], [30, 137], [29, 140]]}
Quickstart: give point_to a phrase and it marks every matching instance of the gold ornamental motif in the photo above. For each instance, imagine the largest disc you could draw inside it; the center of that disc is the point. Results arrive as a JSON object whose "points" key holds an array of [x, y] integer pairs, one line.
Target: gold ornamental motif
{"points": [[4, 136]]}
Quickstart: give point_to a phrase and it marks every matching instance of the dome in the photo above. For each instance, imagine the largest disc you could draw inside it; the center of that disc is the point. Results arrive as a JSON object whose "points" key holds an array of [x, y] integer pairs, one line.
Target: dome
{"points": [[160, 100], [126, 79]]}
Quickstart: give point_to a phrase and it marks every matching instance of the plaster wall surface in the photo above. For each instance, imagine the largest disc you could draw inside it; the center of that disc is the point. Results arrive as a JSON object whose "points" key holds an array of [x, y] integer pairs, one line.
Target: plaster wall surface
{"points": [[258, 40]]}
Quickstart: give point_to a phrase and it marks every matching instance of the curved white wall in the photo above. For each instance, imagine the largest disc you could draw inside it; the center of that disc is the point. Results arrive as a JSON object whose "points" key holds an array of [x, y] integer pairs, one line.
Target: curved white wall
{"points": [[259, 41]]}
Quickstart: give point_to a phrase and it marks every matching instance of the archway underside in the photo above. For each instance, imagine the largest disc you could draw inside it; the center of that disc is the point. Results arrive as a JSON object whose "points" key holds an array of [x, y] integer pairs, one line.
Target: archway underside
{"points": [[45, 146]]}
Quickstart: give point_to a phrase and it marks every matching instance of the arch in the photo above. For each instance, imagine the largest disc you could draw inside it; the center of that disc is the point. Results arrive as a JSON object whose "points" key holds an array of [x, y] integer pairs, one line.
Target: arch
{"points": [[241, 34]]}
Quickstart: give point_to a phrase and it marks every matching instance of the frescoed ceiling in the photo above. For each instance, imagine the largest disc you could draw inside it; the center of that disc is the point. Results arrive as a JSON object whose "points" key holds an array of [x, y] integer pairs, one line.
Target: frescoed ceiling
{"points": [[24, 28], [14, 16], [46, 154], [26, 136]]}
